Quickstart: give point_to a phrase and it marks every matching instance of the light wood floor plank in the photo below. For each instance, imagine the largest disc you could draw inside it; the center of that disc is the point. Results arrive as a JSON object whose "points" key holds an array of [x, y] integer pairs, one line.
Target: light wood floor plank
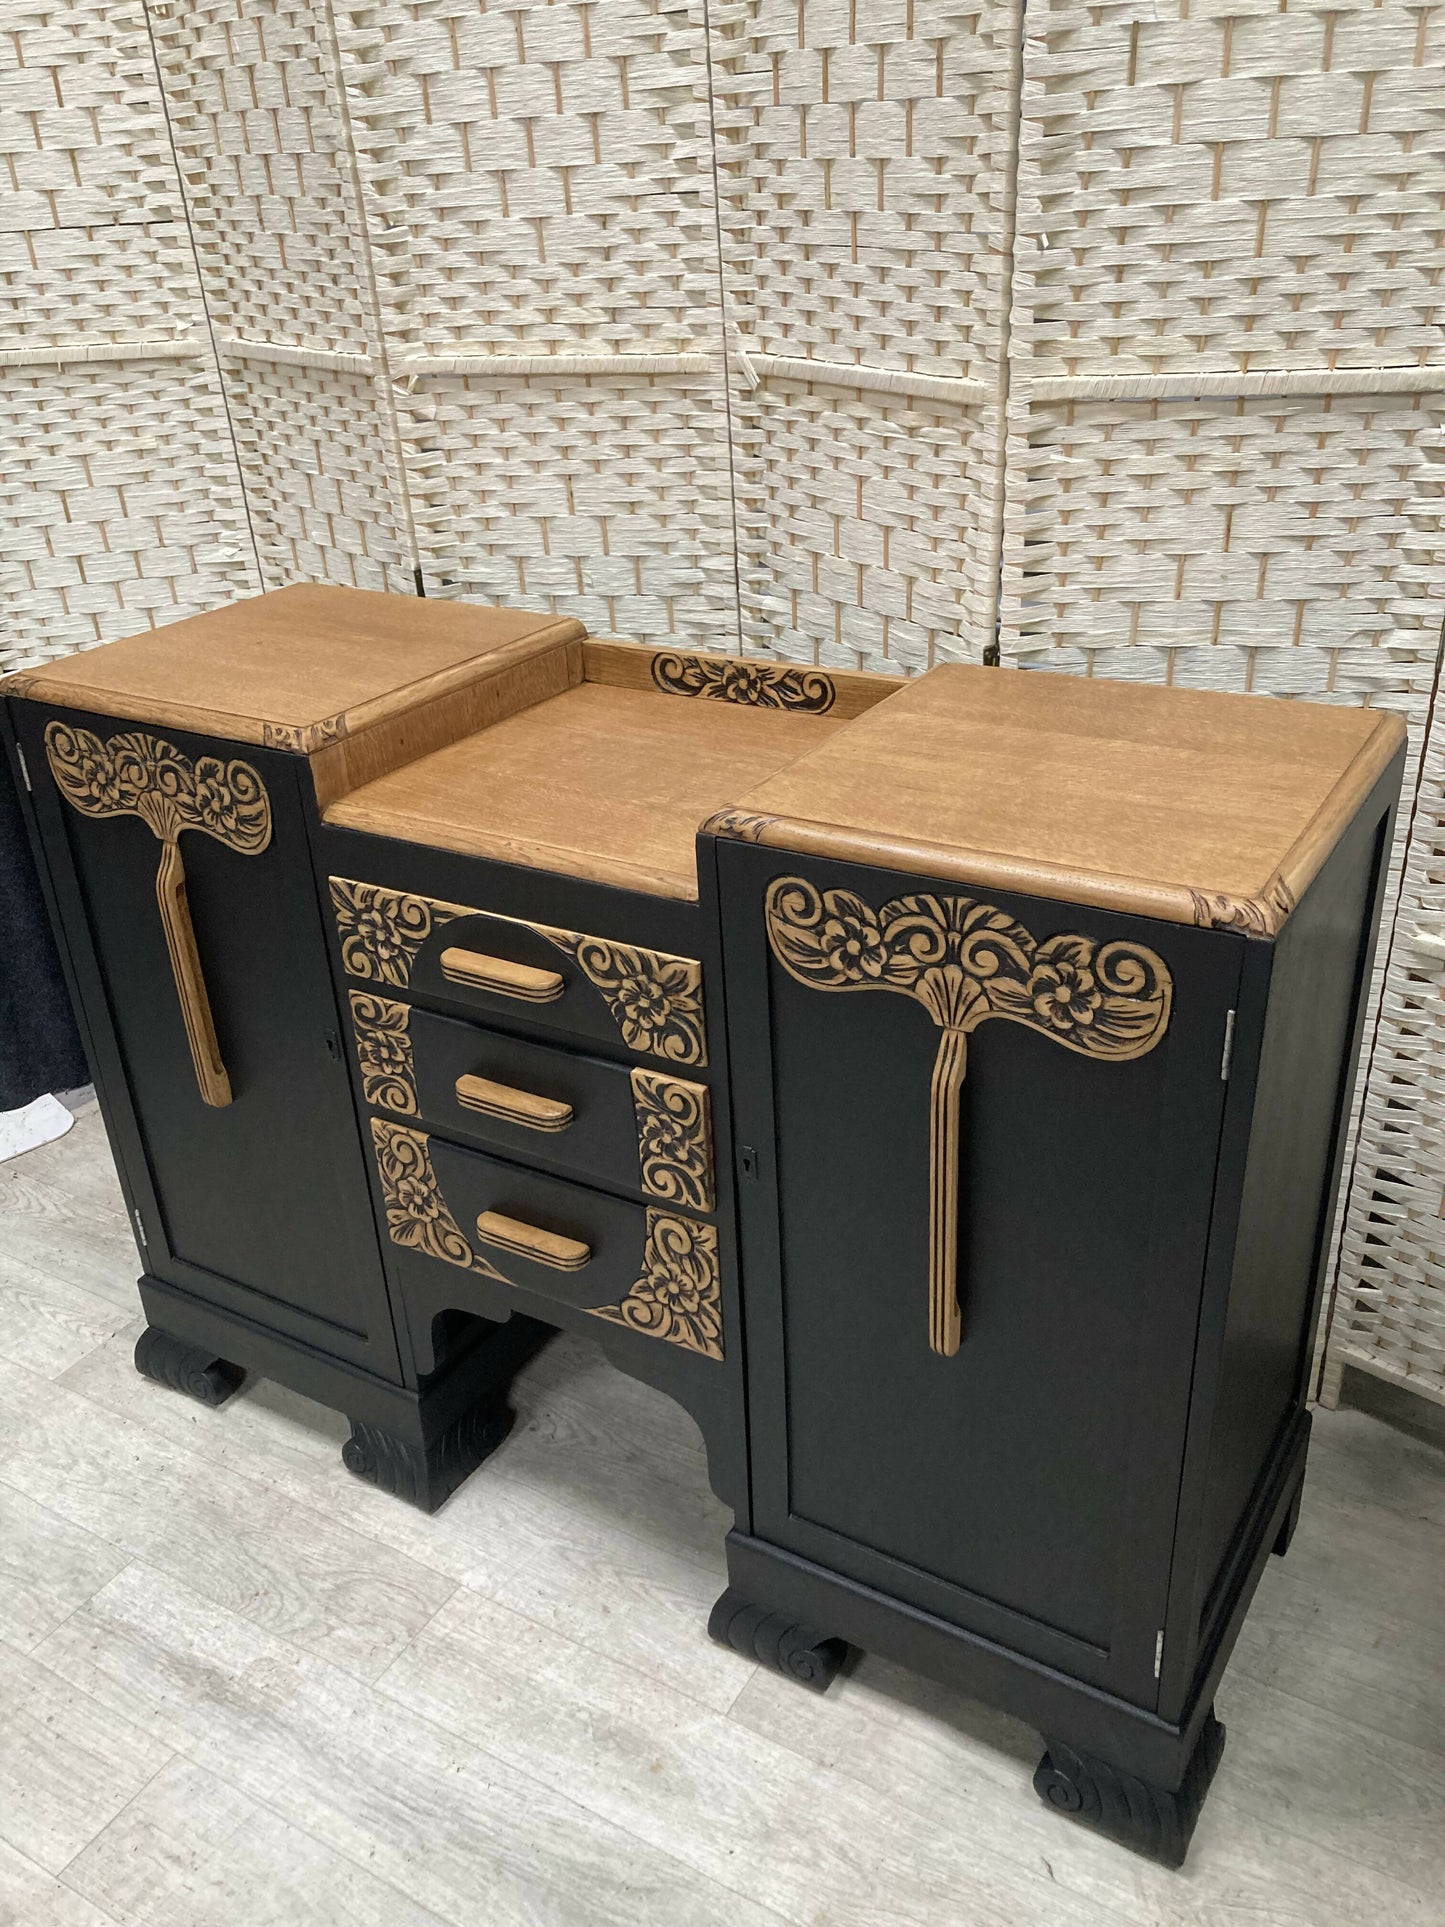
{"points": [[31, 1897], [420, 1808], [46, 1322], [48, 1567], [192, 1851], [509, 1715], [287, 1567], [67, 1764], [807, 1841]]}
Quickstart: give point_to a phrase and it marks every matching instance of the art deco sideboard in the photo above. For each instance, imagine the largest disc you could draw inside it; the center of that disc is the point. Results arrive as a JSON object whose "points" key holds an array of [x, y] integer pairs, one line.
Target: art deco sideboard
{"points": [[936, 1086]]}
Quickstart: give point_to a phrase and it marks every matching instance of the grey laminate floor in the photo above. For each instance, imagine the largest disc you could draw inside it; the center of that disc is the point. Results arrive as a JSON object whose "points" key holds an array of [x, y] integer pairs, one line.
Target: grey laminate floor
{"points": [[237, 1686]]}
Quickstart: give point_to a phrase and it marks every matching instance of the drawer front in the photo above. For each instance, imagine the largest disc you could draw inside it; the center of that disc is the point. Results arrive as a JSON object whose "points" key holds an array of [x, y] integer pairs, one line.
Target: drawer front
{"points": [[636, 1128], [640, 1002], [651, 1268]]}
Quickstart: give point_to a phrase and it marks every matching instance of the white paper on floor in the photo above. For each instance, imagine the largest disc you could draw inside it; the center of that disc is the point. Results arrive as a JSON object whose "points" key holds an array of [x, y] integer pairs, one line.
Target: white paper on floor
{"points": [[32, 1125]]}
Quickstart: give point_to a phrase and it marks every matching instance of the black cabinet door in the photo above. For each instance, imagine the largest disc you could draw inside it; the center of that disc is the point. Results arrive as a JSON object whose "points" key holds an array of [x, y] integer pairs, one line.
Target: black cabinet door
{"points": [[260, 1205], [1025, 1486]]}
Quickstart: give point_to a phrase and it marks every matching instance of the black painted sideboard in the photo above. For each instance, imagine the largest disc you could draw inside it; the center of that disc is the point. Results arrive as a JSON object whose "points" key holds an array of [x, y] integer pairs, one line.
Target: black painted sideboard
{"points": [[937, 1086]]}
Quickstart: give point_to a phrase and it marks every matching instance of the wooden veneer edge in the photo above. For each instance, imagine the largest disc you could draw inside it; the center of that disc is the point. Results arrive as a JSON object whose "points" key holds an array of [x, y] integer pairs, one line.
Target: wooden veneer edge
{"points": [[500, 685], [1262, 913], [36, 685], [1305, 857]]}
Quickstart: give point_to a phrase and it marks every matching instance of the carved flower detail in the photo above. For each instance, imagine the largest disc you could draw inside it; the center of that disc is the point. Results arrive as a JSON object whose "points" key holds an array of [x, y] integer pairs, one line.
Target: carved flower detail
{"points": [[853, 946], [97, 775], [416, 1198], [649, 1001], [380, 935], [677, 1294], [1064, 992], [388, 1052], [216, 802], [745, 682]]}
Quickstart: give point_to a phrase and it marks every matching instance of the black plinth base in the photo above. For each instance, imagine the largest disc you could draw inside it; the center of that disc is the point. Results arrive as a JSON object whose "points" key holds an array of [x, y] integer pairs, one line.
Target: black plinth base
{"points": [[185, 1368], [1151, 1819], [797, 1652], [427, 1472]]}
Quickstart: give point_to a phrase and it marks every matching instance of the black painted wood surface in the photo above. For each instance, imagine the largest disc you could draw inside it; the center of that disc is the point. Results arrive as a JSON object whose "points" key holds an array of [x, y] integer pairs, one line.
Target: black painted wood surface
{"points": [[259, 1207]]}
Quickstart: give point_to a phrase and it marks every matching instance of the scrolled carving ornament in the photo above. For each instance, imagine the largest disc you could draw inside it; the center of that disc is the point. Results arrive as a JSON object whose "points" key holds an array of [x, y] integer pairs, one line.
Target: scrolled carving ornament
{"points": [[674, 1139], [678, 1296], [417, 1217], [758, 685], [137, 774], [966, 962], [381, 1028]]}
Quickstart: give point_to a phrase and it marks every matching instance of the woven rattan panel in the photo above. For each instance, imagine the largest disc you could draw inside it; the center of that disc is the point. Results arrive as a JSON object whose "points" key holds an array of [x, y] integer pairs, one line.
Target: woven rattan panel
{"points": [[120, 502], [1228, 286], [254, 94], [864, 155], [539, 186], [1224, 439]]}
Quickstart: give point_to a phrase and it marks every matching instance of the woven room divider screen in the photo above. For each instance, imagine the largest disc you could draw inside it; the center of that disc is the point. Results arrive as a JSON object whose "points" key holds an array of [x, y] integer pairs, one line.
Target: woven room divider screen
{"points": [[865, 334]]}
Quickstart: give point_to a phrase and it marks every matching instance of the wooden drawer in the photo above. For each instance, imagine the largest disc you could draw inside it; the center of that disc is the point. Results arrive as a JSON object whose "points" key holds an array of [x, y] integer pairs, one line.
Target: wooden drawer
{"points": [[649, 1267], [636, 1128], [643, 1002]]}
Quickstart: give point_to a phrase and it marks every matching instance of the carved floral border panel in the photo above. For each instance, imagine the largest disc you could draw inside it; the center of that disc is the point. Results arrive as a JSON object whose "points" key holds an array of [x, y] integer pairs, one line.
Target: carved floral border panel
{"points": [[678, 1296], [381, 1032], [674, 1139], [758, 685]]}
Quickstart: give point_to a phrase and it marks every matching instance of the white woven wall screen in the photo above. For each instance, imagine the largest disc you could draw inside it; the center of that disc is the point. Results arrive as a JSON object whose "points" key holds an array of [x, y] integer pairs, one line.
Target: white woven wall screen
{"points": [[853, 333]]}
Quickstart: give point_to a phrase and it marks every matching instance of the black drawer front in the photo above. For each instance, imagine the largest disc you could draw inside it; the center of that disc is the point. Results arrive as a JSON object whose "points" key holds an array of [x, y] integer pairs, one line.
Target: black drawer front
{"points": [[648, 1267], [638, 1129], [622, 996]]}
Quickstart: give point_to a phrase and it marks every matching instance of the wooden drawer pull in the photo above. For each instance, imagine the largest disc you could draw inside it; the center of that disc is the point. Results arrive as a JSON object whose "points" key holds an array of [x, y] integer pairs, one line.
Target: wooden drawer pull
{"points": [[527, 1241], [513, 1106], [508, 979]]}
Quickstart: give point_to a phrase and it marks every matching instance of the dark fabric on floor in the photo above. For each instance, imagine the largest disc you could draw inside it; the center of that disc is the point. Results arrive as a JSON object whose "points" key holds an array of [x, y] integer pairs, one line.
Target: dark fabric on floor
{"points": [[40, 1047]]}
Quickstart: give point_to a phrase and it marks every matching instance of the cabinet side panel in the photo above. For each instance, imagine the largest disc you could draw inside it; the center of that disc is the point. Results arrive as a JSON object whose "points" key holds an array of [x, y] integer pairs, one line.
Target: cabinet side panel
{"points": [[1306, 1064]]}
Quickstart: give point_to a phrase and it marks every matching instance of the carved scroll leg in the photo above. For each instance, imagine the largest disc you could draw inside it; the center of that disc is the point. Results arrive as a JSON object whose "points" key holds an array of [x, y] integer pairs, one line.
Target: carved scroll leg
{"points": [[1154, 1820], [945, 1319], [190, 984], [185, 1368], [797, 1652]]}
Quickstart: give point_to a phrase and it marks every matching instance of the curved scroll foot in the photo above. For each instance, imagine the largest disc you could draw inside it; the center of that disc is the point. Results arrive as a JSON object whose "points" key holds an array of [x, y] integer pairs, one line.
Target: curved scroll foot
{"points": [[797, 1652], [1288, 1523], [1132, 1811], [427, 1473], [185, 1368]]}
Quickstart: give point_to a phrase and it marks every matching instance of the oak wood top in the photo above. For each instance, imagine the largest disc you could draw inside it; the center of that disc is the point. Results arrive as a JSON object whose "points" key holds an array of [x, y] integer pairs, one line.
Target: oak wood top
{"points": [[295, 669], [604, 782], [1181, 804]]}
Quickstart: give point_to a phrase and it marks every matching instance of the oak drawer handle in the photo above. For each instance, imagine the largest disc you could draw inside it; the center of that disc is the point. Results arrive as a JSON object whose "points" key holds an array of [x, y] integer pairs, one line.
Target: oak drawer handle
{"points": [[529, 1241], [513, 1106], [481, 972]]}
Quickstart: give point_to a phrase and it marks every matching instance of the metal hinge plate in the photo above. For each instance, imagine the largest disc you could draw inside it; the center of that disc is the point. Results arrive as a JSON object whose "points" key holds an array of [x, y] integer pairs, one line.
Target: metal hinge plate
{"points": [[1228, 1051], [1158, 1652], [24, 769]]}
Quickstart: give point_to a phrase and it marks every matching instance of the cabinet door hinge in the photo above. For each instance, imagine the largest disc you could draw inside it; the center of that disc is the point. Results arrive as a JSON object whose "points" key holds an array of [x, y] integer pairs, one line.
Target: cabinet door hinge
{"points": [[1228, 1051], [24, 769], [1159, 1648], [140, 1230]]}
